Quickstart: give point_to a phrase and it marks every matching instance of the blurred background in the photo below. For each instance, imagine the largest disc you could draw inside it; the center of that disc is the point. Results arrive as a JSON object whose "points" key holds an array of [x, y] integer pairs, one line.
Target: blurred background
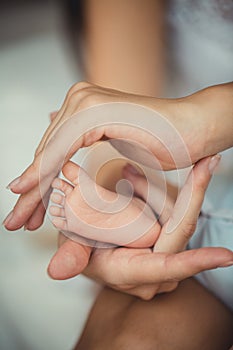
{"points": [[166, 48], [38, 65]]}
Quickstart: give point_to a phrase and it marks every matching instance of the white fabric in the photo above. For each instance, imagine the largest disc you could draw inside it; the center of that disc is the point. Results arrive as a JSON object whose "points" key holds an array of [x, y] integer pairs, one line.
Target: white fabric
{"points": [[201, 55]]}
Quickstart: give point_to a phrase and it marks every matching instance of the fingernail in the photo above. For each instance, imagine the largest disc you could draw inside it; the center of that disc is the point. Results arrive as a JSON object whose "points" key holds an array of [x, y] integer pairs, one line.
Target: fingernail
{"points": [[214, 163], [229, 263], [132, 169], [13, 183], [8, 218]]}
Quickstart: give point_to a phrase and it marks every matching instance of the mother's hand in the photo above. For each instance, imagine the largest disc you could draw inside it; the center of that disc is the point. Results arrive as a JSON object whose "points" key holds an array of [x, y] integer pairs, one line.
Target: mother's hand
{"points": [[30, 208], [184, 128], [142, 272]]}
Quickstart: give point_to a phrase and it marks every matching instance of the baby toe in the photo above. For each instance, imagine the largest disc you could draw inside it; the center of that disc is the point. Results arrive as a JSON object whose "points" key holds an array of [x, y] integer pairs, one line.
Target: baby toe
{"points": [[57, 211], [71, 172], [60, 223], [57, 198], [62, 186]]}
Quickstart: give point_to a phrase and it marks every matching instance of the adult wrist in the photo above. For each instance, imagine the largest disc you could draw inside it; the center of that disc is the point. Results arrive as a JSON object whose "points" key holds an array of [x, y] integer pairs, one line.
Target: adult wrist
{"points": [[212, 110]]}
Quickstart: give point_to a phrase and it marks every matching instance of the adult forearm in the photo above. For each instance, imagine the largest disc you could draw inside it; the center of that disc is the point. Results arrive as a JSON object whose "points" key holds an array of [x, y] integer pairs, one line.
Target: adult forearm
{"points": [[124, 44]]}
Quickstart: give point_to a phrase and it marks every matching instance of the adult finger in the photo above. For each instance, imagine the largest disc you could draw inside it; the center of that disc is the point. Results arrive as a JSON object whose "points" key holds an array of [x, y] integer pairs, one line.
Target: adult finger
{"points": [[177, 232], [25, 206], [132, 267], [29, 177], [70, 259], [39, 175], [36, 220], [28, 202], [163, 267], [148, 291], [144, 292]]}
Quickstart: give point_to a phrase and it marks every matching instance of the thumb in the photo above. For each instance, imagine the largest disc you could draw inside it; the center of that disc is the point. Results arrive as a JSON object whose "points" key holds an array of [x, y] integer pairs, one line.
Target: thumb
{"points": [[70, 260]]}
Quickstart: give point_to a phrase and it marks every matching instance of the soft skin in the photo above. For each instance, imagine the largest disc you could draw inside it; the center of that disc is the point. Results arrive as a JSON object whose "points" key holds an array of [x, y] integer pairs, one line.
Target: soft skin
{"points": [[196, 118]]}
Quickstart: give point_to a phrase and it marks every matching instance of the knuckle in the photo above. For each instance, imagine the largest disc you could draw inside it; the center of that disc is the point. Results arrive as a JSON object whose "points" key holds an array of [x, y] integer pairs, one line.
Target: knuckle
{"points": [[147, 294], [77, 87], [84, 99], [71, 91], [89, 98], [84, 95], [168, 287], [147, 297], [78, 96], [82, 85], [201, 183], [169, 275], [77, 92], [188, 228]]}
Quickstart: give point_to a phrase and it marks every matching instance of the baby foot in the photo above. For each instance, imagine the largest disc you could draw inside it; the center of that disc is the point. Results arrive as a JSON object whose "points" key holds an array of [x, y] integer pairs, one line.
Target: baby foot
{"points": [[162, 203], [91, 211]]}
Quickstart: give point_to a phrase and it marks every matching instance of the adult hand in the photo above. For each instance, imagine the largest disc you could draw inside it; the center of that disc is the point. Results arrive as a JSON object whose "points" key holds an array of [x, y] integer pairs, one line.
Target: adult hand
{"points": [[143, 272], [195, 118]]}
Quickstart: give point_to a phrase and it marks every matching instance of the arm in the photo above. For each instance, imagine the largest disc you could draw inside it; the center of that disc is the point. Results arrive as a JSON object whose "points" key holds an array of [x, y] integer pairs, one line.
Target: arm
{"points": [[124, 50], [124, 44], [193, 117], [214, 107]]}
